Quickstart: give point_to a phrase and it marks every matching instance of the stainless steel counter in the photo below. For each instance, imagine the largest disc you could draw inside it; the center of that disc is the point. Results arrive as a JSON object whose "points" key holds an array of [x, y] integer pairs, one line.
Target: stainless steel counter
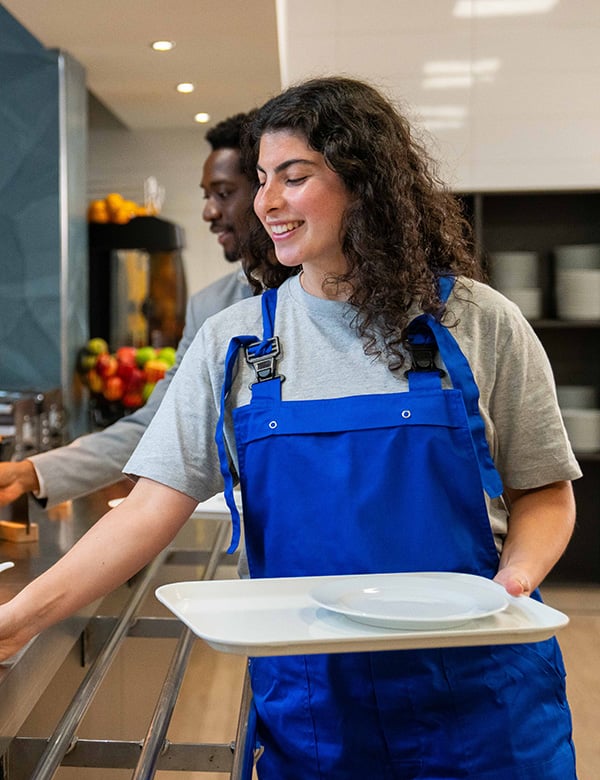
{"points": [[24, 677]]}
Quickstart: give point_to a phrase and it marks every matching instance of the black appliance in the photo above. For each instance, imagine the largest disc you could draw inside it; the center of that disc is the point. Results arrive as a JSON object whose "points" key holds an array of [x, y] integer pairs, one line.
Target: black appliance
{"points": [[137, 285]]}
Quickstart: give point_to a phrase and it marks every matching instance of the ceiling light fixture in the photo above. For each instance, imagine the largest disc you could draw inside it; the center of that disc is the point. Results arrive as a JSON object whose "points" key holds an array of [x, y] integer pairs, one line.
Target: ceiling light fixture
{"points": [[163, 45], [450, 117], [460, 67], [486, 8], [185, 87], [459, 74], [202, 118], [448, 82]]}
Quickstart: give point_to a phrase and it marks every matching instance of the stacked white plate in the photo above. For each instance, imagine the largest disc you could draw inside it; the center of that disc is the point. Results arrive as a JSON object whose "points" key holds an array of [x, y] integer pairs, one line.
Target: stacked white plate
{"points": [[516, 275], [583, 428], [578, 405], [577, 281]]}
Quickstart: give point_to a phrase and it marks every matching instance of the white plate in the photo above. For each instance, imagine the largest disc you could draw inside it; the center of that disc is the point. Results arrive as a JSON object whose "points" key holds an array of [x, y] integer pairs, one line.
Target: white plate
{"points": [[413, 601]]}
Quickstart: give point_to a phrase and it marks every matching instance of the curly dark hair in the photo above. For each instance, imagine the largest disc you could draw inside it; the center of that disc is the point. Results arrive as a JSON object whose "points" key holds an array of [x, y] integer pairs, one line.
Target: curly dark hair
{"points": [[402, 230], [227, 133]]}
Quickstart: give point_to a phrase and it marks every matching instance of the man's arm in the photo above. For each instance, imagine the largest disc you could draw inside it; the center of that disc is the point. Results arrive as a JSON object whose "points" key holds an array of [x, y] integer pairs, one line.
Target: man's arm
{"points": [[96, 459]]}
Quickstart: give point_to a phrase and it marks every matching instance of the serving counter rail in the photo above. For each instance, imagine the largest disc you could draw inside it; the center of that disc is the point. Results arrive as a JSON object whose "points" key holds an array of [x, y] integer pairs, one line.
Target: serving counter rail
{"points": [[24, 678]]}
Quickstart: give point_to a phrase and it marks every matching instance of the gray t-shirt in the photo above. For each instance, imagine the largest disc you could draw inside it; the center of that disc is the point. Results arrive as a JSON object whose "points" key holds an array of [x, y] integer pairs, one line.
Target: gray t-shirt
{"points": [[322, 357]]}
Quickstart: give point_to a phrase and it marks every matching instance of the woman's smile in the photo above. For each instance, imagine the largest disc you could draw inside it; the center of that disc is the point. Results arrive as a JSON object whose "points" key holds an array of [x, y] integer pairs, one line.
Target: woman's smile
{"points": [[280, 229]]}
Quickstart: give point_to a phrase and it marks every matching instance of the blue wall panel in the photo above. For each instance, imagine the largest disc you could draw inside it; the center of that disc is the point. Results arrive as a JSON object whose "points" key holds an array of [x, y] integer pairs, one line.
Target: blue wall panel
{"points": [[43, 248]]}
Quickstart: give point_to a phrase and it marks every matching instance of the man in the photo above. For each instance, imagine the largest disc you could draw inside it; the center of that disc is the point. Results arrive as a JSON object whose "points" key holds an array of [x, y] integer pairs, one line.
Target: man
{"points": [[96, 460]]}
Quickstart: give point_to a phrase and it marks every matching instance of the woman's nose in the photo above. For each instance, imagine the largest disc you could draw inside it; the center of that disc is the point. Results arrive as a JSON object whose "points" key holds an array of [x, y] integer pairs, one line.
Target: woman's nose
{"points": [[269, 197]]}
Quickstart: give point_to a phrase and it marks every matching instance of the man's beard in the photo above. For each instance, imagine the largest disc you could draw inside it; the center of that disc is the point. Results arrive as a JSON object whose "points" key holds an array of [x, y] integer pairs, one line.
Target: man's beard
{"points": [[232, 256]]}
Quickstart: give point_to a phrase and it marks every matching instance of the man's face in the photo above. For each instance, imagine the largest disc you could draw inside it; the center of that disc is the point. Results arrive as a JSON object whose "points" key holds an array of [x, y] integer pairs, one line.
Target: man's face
{"points": [[228, 194]]}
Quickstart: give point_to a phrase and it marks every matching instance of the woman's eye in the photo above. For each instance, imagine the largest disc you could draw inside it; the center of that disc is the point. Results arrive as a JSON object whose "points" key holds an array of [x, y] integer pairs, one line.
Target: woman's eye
{"points": [[296, 181]]}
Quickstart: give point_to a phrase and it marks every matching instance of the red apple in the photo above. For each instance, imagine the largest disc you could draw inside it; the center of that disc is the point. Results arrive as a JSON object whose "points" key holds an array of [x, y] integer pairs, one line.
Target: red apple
{"points": [[132, 399], [113, 388], [106, 365], [126, 356], [125, 371], [136, 380]]}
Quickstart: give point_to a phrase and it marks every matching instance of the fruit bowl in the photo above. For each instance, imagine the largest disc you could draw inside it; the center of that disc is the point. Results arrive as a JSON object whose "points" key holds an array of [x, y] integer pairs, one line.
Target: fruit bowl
{"points": [[120, 382]]}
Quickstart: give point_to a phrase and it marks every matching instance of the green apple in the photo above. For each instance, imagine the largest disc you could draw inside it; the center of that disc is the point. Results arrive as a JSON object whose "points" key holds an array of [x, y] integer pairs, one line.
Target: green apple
{"points": [[168, 355], [97, 346], [144, 354], [147, 390]]}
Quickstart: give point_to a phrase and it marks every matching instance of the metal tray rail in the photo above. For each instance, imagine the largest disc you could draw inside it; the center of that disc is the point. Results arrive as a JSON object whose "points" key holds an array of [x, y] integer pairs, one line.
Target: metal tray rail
{"points": [[31, 758]]}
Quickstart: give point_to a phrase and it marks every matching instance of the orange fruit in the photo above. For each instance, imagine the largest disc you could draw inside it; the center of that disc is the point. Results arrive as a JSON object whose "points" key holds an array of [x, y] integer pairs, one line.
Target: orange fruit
{"points": [[113, 201], [98, 211]]}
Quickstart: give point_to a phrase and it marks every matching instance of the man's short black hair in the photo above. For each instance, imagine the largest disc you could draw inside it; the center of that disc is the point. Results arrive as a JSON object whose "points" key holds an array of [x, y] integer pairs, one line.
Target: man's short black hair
{"points": [[227, 133]]}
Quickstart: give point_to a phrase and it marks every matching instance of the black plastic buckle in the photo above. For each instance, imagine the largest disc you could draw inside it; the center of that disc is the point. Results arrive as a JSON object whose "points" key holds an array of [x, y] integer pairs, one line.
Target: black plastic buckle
{"points": [[265, 365], [423, 358]]}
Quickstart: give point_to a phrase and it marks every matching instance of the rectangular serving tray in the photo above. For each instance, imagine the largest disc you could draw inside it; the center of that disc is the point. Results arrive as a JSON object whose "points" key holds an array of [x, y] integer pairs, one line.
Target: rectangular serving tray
{"points": [[261, 617]]}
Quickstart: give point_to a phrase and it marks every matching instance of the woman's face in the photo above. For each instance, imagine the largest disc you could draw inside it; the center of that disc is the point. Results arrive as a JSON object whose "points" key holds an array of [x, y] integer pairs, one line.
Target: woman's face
{"points": [[300, 202]]}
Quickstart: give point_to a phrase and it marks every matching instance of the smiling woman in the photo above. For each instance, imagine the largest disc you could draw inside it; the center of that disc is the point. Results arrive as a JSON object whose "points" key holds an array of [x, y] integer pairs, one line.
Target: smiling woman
{"points": [[301, 203], [416, 431]]}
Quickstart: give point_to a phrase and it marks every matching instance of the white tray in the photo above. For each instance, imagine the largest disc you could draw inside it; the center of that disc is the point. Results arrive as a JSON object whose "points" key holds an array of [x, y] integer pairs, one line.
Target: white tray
{"points": [[214, 508], [263, 617]]}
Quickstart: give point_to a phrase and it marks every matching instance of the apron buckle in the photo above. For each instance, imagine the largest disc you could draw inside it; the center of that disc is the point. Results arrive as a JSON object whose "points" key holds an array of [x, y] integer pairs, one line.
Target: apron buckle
{"points": [[262, 356], [423, 358]]}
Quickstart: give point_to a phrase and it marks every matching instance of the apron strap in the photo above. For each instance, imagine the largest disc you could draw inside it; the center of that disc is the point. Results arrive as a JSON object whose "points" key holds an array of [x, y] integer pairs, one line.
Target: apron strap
{"points": [[426, 330], [463, 379], [257, 349]]}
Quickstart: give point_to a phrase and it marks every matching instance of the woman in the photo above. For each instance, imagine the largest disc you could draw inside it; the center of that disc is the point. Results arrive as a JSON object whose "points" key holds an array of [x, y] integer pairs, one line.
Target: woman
{"points": [[387, 412]]}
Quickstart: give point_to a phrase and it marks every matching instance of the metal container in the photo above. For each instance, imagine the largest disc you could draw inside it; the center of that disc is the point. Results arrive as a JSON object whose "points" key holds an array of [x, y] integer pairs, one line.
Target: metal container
{"points": [[19, 417], [35, 418], [17, 511]]}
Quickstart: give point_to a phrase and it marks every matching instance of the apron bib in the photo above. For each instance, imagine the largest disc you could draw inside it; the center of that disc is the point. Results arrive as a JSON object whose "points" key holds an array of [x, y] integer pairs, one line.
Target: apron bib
{"points": [[386, 483]]}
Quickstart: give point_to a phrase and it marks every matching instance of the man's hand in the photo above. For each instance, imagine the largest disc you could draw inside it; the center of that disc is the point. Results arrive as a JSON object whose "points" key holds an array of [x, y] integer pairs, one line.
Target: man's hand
{"points": [[16, 478]]}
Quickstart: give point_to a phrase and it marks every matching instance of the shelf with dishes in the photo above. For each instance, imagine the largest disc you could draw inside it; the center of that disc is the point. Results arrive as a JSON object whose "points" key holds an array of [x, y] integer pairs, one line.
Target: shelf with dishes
{"points": [[567, 289], [542, 250], [575, 299]]}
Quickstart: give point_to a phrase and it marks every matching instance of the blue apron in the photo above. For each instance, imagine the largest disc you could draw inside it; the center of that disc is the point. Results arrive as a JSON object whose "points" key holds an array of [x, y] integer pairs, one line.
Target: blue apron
{"points": [[386, 483]]}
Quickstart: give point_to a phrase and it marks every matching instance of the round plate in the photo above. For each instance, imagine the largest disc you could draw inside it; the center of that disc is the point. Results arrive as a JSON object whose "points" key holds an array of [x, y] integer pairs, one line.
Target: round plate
{"points": [[412, 601]]}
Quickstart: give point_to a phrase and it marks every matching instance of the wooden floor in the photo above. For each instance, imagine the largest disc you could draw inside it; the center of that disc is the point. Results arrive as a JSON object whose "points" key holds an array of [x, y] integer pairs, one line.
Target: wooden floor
{"points": [[580, 643]]}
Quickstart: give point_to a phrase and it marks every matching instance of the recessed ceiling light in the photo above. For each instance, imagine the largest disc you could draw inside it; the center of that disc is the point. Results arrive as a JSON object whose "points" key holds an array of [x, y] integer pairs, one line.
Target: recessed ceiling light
{"points": [[202, 118], [163, 45], [185, 87]]}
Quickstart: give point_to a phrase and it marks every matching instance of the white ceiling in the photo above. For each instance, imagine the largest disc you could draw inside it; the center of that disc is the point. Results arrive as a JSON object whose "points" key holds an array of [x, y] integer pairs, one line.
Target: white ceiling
{"points": [[228, 49], [504, 89]]}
